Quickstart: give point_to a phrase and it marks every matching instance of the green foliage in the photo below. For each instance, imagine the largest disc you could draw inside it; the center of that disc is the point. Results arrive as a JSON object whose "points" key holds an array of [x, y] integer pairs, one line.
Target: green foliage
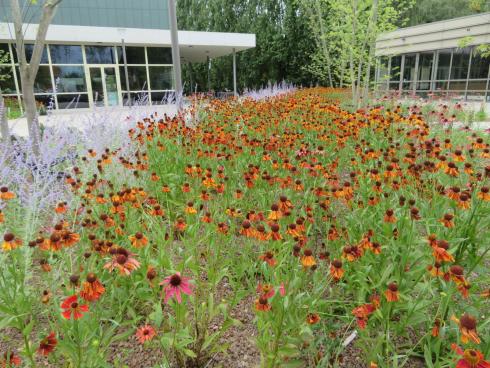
{"points": [[284, 42]]}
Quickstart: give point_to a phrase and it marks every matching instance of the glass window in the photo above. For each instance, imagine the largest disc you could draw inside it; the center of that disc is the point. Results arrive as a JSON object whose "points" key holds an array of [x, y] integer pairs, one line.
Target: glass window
{"points": [[30, 49], [409, 71], [44, 103], [100, 55], [383, 69], [479, 67], [426, 59], [42, 84], [159, 55], [72, 101], [444, 61], [66, 54], [4, 53], [7, 81], [477, 85], [161, 98], [161, 77], [69, 78], [461, 60], [134, 55], [396, 62], [137, 78]]}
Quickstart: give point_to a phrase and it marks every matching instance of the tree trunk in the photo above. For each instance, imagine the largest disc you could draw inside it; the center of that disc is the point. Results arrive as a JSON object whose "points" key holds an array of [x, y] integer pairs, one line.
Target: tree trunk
{"points": [[30, 107], [4, 125]]}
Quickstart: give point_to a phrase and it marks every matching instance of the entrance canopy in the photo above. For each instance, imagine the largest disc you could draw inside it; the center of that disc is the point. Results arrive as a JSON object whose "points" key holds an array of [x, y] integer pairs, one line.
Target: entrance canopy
{"points": [[194, 46]]}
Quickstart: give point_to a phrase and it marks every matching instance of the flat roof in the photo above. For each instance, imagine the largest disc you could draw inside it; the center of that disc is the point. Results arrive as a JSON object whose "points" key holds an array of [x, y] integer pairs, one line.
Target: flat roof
{"points": [[436, 35], [194, 46]]}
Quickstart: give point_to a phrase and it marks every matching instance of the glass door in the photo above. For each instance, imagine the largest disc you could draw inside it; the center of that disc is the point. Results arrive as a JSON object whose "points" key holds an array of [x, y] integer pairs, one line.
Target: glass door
{"points": [[98, 95], [111, 93], [103, 80]]}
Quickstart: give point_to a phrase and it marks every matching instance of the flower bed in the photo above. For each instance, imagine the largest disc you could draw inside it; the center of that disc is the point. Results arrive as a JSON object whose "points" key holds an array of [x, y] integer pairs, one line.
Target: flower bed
{"points": [[307, 234]]}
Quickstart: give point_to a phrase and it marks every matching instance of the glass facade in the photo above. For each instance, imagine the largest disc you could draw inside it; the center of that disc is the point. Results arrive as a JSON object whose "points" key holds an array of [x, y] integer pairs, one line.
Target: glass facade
{"points": [[458, 73], [81, 76]]}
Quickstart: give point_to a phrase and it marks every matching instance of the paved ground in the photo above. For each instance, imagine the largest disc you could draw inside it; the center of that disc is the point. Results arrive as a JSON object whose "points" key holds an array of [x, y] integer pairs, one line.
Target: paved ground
{"points": [[78, 118]]}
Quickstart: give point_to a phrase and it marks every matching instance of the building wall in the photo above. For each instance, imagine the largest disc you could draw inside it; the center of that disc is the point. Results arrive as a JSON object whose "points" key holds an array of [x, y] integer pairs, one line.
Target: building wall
{"points": [[151, 14], [80, 76], [435, 36]]}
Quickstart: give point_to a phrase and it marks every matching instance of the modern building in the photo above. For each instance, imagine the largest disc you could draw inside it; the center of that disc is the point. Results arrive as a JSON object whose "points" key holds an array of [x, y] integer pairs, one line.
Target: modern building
{"points": [[438, 58], [83, 62]]}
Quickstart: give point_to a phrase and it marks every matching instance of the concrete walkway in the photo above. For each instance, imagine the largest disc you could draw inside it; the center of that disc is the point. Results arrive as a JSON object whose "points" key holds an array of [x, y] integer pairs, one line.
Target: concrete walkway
{"points": [[83, 117]]}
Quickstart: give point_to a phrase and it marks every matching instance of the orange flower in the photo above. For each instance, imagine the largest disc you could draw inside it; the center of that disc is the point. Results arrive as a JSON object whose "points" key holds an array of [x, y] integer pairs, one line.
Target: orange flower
{"points": [[440, 252], [2, 217], [467, 328], [312, 318], [275, 213], [392, 294], [190, 210], [484, 194], [138, 240], [389, 216], [262, 304], [336, 270], [307, 260], [61, 208], [10, 242], [5, 194], [92, 289], [447, 220], [268, 257]]}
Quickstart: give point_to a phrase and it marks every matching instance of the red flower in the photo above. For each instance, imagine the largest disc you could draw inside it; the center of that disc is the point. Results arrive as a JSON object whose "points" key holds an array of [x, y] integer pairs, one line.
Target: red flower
{"points": [[145, 333], [71, 308], [471, 358], [47, 344]]}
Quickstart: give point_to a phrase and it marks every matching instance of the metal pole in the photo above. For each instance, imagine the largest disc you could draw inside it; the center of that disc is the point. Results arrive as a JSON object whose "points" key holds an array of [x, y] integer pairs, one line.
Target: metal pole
{"points": [[416, 72], [402, 66], [208, 61], [468, 75], [126, 74], [234, 73], [486, 86], [172, 15]]}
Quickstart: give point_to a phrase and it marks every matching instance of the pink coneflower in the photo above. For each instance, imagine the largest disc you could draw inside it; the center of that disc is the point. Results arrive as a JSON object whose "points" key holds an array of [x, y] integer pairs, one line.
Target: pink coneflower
{"points": [[175, 285], [145, 333]]}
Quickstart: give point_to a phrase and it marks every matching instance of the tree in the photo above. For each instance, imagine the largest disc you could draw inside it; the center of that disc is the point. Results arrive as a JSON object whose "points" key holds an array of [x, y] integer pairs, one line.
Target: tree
{"points": [[29, 68], [284, 42], [347, 46], [4, 127]]}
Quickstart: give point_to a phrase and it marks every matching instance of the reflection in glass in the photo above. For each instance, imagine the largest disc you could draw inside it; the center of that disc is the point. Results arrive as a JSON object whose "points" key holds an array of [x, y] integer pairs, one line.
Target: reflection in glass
{"points": [[479, 67], [111, 86], [98, 94], [29, 50], [396, 62], [461, 60], [100, 55], [134, 55], [444, 62], [73, 101], [426, 60], [66, 54], [7, 83], [4, 53], [137, 78], [159, 55], [161, 77], [69, 78], [409, 72], [42, 84]]}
